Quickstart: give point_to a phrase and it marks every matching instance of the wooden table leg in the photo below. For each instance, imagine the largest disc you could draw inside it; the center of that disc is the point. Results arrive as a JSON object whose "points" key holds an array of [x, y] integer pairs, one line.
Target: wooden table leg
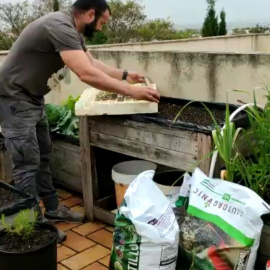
{"points": [[205, 146], [87, 168]]}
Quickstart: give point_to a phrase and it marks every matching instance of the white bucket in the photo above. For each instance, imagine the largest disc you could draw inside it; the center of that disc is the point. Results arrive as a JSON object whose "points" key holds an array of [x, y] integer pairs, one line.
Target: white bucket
{"points": [[124, 173]]}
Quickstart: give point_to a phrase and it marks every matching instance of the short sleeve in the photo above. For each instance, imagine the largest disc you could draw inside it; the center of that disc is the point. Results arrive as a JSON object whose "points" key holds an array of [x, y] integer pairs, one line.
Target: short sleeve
{"points": [[83, 44], [65, 37]]}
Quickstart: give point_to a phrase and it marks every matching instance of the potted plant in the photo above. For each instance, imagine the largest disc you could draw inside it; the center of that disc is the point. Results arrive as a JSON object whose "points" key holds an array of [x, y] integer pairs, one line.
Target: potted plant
{"points": [[12, 201], [28, 244], [245, 153]]}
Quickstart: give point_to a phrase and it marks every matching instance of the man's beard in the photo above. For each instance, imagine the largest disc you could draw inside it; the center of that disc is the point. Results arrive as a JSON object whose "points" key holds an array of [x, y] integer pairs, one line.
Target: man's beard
{"points": [[90, 29]]}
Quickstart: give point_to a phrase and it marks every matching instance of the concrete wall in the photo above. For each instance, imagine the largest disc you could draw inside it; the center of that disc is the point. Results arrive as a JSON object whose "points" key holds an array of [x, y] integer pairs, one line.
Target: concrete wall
{"points": [[241, 43], [189, 75], [193, 75]]}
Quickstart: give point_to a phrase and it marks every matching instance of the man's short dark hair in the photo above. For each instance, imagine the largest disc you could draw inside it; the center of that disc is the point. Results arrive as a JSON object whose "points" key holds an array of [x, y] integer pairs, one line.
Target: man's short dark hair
{"points": [[84, 5]]}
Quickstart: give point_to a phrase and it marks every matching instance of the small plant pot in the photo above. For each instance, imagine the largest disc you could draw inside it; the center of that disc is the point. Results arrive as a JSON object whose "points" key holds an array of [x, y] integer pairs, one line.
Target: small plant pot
{"points": [[43, 257], [12, 201]]}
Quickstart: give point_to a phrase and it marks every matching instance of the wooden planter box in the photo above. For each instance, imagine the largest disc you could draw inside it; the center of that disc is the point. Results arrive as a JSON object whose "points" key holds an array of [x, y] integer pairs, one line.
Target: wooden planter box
{"points": [[175, 148], [5, 166], [65, 163]]}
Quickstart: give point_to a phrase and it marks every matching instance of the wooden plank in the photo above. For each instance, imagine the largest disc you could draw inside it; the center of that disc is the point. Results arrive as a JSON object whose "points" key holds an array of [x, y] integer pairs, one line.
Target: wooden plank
{"points": [[185, 134], [162, 156], [87, 172], [66, 165], [5, 166], [67, 180], [155, 139], [108, 203], [117, 130], [205, 145], [95, 184], [66, 157], [104, 215]]}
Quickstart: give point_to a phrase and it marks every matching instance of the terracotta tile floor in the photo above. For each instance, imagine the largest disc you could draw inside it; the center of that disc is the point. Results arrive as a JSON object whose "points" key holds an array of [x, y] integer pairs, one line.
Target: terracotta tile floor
{"points": [[88, 245]]}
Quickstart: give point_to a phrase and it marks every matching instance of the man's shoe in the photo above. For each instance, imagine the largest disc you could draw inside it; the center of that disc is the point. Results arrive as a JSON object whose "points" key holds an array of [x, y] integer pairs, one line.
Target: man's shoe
{"points": [[41, 219], [64, 214], [61, 236]]}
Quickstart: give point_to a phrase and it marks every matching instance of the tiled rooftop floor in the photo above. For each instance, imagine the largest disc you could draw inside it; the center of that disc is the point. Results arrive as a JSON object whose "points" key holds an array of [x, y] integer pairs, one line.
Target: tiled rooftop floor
{"points": [[88, 245]]}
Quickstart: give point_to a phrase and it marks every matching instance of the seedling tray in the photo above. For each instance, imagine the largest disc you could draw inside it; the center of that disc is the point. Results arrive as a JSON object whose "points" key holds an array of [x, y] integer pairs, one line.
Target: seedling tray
{"points": [[94, 102]]}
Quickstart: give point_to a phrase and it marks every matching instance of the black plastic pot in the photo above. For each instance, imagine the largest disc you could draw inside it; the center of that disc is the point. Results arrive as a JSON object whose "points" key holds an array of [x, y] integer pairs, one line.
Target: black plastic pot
{"points": [[168, 178], [263, 255], [26, 201], [44, 258]]}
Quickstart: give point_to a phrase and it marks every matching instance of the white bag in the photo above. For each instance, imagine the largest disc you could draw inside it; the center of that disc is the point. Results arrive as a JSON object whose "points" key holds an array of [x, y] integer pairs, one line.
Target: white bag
{"points": [[222, 226], [146, 231]]}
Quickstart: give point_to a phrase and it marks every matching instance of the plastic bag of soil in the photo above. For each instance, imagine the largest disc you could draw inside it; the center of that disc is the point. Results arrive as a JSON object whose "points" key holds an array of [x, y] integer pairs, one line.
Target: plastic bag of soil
{"points": [[146, 231], [221, 227]]}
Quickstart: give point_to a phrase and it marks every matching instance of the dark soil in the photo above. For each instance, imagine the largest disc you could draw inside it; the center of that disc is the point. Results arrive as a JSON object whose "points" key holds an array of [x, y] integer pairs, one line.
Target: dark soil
{"points": [[14, 243], [106, 96], [194, 114], [8, 197]]}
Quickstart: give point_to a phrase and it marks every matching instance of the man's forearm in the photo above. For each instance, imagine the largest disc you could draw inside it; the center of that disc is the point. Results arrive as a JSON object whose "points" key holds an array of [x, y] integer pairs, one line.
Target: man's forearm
{"points": [[102, 81], [110, 71]]}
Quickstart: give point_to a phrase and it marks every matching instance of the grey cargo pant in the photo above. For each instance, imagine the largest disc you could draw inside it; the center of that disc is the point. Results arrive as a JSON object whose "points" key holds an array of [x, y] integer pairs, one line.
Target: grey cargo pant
{"points": [[26, 130]]}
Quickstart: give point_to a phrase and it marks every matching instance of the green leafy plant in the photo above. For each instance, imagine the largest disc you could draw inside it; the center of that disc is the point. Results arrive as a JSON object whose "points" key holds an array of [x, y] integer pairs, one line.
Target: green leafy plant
{"points": [[224, 138], [62, 119], [254, 167], [24, 224], [250, 166]]}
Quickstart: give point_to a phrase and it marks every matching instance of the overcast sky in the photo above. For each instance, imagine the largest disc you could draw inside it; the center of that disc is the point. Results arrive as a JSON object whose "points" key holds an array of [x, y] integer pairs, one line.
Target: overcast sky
{"points": [[189, 13]]}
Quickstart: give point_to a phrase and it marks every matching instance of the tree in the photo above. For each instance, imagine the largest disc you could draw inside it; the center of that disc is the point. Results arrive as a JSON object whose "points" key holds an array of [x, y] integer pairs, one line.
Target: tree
{"points": [[222, 24], [158, 29], [127, 18], [98, 38], [13, 19], [42, 7], [210, 26], [128, 22], [6, 41], [259, 29], [56, 5]]}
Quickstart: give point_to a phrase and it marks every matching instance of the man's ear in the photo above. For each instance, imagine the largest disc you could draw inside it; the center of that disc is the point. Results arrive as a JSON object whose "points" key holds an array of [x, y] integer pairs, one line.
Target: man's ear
{"points": [[91, 14]]}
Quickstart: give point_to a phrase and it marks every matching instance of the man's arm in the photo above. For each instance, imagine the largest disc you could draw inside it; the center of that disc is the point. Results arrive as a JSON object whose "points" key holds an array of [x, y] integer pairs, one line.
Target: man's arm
{"points": [[79, 63], [110, 71]]}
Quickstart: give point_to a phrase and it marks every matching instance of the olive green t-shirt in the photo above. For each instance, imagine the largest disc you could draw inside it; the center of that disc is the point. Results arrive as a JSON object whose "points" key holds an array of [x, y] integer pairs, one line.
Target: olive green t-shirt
{"points": [[33, 66]]}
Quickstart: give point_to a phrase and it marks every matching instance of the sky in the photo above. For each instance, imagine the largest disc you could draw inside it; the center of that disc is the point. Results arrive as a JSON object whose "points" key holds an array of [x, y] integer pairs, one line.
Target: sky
{"points": [[188, 13], [191, 13]]}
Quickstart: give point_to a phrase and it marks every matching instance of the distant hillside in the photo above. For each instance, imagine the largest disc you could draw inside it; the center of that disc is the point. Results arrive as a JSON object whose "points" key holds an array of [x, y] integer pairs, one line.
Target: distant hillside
{"points": [[230, 25]]}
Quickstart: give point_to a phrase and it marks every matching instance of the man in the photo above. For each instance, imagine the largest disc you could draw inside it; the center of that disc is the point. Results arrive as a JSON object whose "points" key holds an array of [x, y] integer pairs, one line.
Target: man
{"points": [[34, 65]]}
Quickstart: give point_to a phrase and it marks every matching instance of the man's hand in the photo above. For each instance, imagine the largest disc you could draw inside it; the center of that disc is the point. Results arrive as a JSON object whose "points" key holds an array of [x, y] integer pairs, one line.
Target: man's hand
{"points": [[145, 93], [134, 77]]}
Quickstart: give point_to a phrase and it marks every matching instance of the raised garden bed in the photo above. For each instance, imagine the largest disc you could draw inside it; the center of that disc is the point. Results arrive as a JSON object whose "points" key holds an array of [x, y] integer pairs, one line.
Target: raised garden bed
{"points": [[65, 162], [194, 117], [5, 163]]}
